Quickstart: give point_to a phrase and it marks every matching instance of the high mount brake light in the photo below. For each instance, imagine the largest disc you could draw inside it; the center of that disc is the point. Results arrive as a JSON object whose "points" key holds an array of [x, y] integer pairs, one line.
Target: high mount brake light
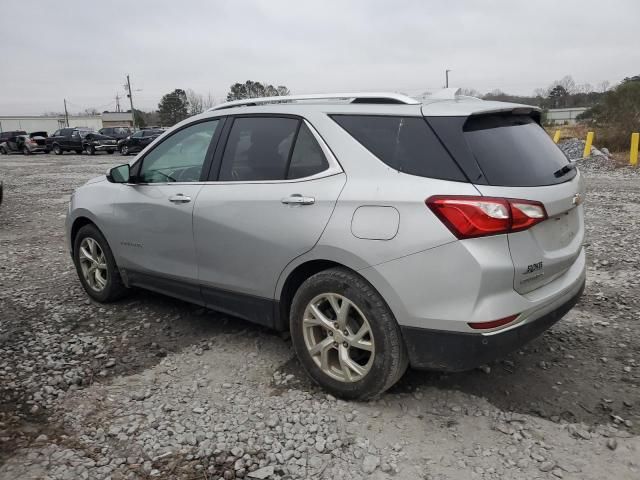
{"points": [[476, 216]]}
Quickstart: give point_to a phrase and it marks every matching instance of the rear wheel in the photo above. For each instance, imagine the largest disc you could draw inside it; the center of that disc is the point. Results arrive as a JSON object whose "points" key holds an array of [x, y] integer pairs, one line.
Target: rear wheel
{"points": [[90, 150], [3, 151], [26, 151], [57, 150], [345, 335], [124, 150], [96, 266]]}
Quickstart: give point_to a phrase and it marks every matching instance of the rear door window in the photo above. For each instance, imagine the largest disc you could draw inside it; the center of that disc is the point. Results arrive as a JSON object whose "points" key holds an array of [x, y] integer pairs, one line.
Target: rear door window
{"points": [[307, 158], [406, 144], [514, 151], [258, 149]]}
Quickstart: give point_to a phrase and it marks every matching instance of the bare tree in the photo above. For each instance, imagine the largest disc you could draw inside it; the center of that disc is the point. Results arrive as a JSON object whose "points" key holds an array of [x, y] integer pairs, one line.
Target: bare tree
{"points": [[208, 101], [567, 83], [541, 92], [196, 102], [91, 111], [604, 86]]}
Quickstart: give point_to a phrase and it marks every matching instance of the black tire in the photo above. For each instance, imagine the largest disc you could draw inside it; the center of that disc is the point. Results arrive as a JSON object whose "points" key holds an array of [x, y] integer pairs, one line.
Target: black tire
{"points": [[26, 151], [390, 360], [110, 151], [57, 150], [114, 288], [90, 150], [2, 151], [124, 150], [79, 152]]}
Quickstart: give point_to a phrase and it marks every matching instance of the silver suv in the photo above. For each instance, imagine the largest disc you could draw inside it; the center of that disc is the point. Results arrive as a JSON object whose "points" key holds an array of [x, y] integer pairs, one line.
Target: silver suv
{"points": [[380, 231]]}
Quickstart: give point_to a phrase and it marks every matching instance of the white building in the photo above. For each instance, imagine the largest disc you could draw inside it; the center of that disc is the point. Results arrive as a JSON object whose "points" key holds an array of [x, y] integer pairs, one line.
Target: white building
{"points": [[53, 123], [564, 116]]}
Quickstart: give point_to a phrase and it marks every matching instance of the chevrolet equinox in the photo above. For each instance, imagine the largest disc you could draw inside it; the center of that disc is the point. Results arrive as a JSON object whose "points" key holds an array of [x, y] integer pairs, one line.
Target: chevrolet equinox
{"points": [[380, 231]]}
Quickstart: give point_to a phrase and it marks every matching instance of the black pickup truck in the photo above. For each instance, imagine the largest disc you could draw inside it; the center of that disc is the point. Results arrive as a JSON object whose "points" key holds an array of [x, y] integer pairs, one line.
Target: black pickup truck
{"points": [[67, 139]]}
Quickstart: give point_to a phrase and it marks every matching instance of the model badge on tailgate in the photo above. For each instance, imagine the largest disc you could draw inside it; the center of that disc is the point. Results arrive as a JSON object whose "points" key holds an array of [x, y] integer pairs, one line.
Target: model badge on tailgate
{"points": [[534, 267]]}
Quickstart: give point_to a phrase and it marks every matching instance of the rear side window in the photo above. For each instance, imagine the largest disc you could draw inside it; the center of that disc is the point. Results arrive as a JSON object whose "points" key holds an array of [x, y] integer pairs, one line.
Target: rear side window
{"points": [[307, 158], [258, 149], [514, 151], [405, 143]]}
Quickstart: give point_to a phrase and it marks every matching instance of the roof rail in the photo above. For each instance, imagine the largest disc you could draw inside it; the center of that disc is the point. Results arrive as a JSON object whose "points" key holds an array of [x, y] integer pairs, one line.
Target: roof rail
{"points": [[361, 97]]}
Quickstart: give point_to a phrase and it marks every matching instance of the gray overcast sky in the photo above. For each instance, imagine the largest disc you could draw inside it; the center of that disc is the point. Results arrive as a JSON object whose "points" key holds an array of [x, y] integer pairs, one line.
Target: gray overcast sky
{"points": [[82, 50]]}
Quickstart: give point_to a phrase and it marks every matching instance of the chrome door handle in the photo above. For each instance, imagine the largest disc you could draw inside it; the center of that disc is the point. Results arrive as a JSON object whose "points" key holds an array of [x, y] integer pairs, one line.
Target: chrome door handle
{"points": [[297, 199], [179, 198]]}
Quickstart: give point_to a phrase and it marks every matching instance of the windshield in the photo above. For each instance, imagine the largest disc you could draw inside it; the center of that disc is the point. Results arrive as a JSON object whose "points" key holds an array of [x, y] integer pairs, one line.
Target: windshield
{"points": [[84, 133]]}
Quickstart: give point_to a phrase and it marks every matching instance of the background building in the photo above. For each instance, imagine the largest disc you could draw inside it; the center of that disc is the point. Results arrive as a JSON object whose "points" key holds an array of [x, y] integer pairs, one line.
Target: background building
{"points": [[35, 123], [564, 116]]}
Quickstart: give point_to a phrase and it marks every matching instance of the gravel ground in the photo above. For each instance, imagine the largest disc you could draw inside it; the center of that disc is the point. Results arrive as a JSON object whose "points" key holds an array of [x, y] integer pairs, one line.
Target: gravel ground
{"points": [[151, 387]]}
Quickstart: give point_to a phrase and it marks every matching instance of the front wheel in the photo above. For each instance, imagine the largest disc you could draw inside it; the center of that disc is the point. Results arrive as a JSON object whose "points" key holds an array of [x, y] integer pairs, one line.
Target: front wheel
{"points": [[26, 151], [124, 150], [345, 335], [57, 150], [90, 150], [96, 266]]}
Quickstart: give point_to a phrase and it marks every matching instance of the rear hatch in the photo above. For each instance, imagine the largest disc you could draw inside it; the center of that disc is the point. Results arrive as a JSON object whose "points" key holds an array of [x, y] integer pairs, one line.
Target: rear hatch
{"points": [[39, 138], [508, 155]]}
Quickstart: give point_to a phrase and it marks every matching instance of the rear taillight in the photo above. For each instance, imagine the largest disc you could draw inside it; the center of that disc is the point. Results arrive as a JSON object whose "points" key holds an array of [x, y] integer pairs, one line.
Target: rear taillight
{"points": [[493, 323], [471, 217]]}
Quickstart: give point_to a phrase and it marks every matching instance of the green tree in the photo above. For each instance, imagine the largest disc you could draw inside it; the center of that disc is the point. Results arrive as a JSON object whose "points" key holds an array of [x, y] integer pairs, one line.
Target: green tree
{"points": [[557, 96], [173, 107], [139, 117], [251, 89], [617, 115]]}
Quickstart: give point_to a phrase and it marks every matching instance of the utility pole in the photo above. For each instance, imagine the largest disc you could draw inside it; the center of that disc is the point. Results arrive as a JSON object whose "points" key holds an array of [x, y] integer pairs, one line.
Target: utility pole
{"points": [[446, 75], [130, 95], [66, 114], [117, 102]]}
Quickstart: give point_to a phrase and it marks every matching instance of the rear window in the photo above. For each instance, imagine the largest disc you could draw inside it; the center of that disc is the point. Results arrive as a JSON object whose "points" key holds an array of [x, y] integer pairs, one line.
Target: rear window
{"points": [[406, 144], [514, 151]]}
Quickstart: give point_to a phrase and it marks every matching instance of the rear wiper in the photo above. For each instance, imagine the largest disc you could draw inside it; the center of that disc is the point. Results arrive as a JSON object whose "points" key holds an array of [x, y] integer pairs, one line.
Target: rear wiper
{"points": [[564, 170]]}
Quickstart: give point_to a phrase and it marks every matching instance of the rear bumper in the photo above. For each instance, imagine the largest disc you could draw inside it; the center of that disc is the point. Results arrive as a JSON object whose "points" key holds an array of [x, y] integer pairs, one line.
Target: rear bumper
{"points": [[458, 351]]}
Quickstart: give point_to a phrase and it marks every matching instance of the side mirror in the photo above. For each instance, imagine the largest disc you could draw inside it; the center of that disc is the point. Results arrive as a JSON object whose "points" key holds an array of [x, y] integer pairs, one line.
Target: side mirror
{"points": [[119, 174]]}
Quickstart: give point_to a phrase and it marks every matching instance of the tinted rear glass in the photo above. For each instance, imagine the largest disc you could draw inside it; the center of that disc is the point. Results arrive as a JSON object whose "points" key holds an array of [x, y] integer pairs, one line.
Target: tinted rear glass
{"points": [[405, 143], [513, 150]]}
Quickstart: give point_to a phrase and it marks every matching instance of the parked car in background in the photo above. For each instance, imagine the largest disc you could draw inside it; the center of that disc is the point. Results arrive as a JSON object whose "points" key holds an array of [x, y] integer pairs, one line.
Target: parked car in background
{"points": [[95, 142], [380, 231], [26, 144], [136, 142], [116, 132], [4, 136], [68, 139], [10, 133]]}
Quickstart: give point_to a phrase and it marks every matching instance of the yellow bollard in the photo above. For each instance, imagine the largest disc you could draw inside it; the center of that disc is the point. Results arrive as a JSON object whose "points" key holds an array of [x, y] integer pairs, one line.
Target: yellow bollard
{"points": [[556, 137], [587, 145], [633, 156]]}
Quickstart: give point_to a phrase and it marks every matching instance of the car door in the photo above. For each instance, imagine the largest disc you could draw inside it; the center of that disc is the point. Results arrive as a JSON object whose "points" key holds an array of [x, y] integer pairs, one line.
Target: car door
{"points": [[152, 216], [12, 143], [276, 189], [134, 140]]}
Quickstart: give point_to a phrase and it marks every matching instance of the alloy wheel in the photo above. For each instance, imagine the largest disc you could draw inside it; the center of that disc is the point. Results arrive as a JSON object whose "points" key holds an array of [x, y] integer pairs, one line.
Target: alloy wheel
{"points": [[93, 264], [338, 337]]}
